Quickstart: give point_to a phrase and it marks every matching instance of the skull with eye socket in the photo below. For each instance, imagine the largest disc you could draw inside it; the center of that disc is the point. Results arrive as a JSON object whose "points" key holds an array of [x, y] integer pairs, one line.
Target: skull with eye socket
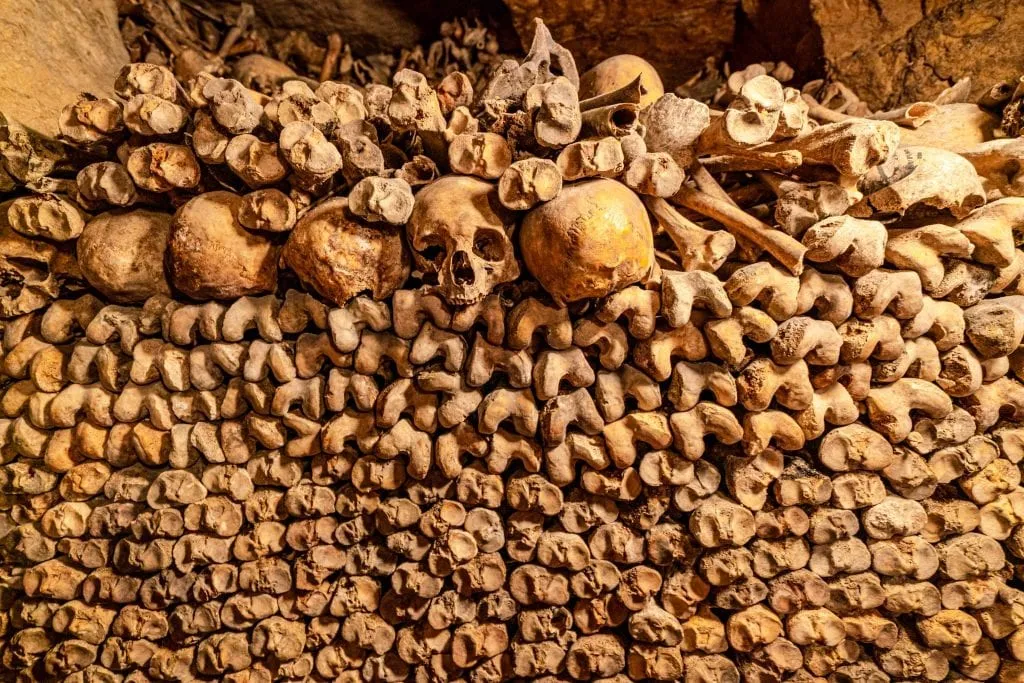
{"points": [[460, 231]]}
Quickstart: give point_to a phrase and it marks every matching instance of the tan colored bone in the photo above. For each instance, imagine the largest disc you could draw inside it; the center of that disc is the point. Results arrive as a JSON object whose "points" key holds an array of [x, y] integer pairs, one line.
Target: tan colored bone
{"points": [[609, 338], [769, 286], [432, 342], [654, 355], [829, 295], [485, 155], [375, 347], [924, 177], [750, 119], [561, 459], [528, 182], [898, 292], [502, 404], [878, 338], [489, 311], [889, 407], [555, 109], [923, 249], [574, 409], [698, 249], [531, 492], [816, 342], [920, 359], [760, 430], [690, 380], [461, 400], [857, 246], [788, 251], [403, 396], [621, 485], [942, 321], [748, 478], [681, 292], [653, 173], [834, 405], [640, 306], [622, 436], [485, 359], [726, 337], [591, 158], [554, 367], [851, 147], [762, 381], [360, 158], [532, 316]]}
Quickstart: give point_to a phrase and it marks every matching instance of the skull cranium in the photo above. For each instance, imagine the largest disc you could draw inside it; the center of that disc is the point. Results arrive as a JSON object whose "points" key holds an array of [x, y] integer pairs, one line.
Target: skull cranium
{"points": [[460, 231]]}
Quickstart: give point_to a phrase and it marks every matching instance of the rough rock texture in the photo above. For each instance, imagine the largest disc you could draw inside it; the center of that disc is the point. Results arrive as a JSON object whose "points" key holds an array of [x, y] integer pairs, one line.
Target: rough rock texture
{"points": [[376, 25], [896, 51], [52, 51], [779, 30], [675, 37]]}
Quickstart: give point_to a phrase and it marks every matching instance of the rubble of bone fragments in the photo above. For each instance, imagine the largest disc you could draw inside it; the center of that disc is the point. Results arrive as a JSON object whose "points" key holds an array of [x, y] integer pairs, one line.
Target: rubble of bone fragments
{"points": [[559, 378]]}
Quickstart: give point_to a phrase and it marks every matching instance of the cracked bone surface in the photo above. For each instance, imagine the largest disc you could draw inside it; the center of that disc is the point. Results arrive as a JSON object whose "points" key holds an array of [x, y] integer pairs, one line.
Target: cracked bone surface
{"points": [[522, 374]]}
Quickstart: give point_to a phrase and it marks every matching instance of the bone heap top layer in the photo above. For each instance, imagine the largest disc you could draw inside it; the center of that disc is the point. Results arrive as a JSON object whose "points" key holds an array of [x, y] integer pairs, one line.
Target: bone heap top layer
{"points": [[563, 379]]}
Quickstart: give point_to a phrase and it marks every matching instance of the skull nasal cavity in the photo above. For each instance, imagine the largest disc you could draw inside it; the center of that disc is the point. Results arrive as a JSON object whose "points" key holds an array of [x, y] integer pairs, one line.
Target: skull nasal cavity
{"points": [[462, 271]]}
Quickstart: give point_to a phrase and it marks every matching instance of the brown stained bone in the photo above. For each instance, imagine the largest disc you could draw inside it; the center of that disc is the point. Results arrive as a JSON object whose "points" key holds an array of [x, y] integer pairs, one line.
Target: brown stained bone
{"points": [[555, 108], [852, 147], [387, 200], [674, 126], [527, 182], [591, 158], [210, 255], [163, 167], [911, 184], [784, 248], [750, 119], [460, 232], [698, 249], [122, 254], [373, 259], [653, 173]]}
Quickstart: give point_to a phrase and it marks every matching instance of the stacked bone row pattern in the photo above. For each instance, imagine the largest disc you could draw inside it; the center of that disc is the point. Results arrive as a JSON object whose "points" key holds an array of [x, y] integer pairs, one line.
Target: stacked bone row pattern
{"points": [[726, 463]]}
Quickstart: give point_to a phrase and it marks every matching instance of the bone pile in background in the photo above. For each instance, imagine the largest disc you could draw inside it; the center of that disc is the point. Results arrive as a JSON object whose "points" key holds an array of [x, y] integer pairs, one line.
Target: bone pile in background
{"points": [[560, 378]]}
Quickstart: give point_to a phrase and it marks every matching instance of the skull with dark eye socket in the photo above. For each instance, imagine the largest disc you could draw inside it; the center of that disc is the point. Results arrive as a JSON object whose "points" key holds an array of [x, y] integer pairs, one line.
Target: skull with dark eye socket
{"points": [[460, 231]]}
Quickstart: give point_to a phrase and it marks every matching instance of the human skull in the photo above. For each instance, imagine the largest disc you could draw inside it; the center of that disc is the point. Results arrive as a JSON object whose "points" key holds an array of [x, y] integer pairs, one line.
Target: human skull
{"points": [[593, 239], [211, 256], [121, 254], [31, 271], [340, 255], [460, 231]]}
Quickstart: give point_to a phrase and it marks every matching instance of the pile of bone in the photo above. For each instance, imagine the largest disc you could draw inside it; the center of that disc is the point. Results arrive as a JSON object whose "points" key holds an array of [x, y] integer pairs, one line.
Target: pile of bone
{"points": [[567, 380]]}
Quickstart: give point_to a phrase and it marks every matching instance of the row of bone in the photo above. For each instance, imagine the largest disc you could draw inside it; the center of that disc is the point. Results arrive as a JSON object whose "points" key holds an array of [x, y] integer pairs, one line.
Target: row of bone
{"points": [[797, 345], [876, 524], [855, 244], [848, 595], [154, 105]]}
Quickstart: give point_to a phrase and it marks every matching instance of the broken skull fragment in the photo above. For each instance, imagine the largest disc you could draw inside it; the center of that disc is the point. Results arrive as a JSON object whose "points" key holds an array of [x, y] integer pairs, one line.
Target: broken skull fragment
{"points": [[522, 374]]}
